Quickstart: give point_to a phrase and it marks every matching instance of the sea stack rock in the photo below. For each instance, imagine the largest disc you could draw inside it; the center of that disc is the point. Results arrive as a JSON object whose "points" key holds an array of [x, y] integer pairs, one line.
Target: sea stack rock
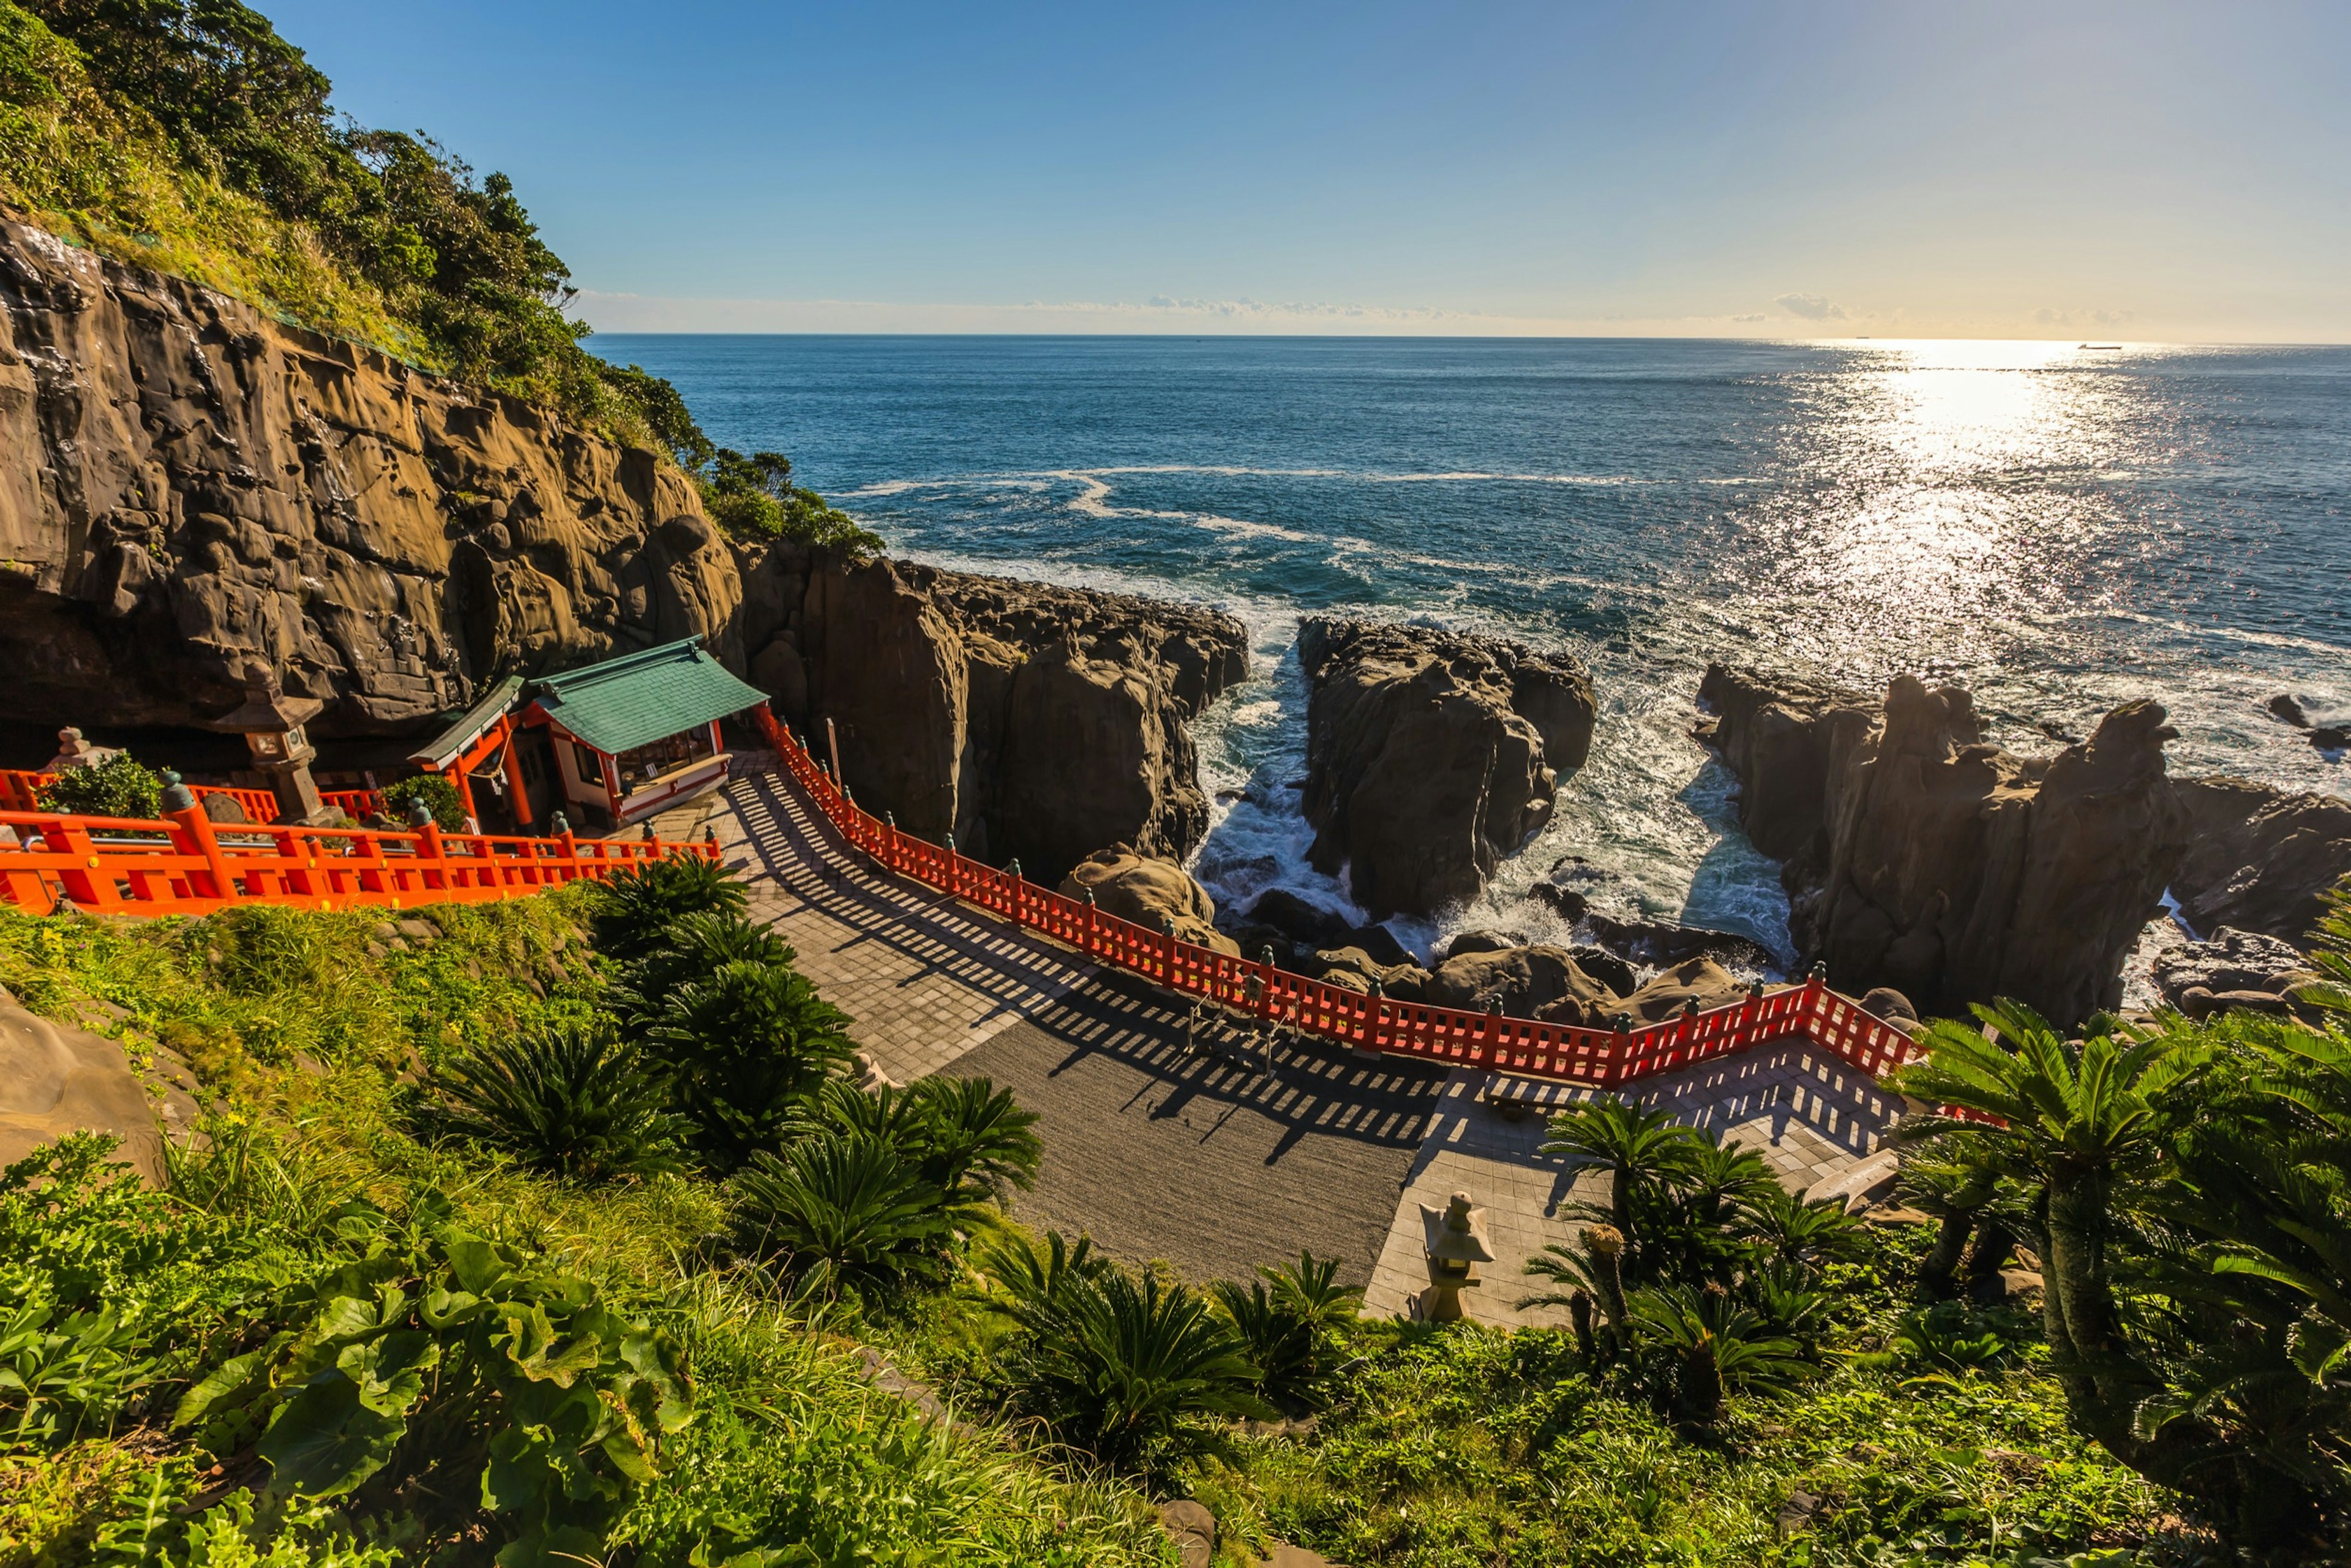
{"points": [[1431, 755], [1029, 720], [1944, 867]]}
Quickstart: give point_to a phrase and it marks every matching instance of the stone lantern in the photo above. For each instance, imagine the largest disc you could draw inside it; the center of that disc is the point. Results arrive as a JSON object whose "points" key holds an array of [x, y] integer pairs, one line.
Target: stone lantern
{"points": [[271, 723], [1455, 1241]]}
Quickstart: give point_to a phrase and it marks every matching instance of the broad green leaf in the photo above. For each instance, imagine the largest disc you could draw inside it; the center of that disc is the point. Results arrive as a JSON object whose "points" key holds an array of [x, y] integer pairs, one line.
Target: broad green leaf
{"points": [[324, 1442], [389, 1371], [235, 1377]]}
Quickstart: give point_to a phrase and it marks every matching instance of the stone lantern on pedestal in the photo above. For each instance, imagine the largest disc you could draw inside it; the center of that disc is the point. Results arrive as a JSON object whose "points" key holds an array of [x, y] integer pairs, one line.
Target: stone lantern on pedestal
{"points": [[1455, 1242], [271, 723]]}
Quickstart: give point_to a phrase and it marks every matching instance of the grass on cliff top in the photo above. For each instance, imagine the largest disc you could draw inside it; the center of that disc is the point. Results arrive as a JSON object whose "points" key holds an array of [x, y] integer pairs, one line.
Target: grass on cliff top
{"points": [[104, 175], [301, 1029]]}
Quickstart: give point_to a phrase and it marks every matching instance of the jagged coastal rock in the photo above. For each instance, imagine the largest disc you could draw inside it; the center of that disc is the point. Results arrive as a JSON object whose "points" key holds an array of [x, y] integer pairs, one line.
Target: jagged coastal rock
{"points": [[1030, 721], [1944, 867], [1431, 755], [2259, 858], [188, 486]]}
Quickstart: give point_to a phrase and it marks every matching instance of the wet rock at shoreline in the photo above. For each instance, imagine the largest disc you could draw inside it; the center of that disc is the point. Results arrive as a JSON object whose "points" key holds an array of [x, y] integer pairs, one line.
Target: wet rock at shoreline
{"points": [[1432, 755], [1538, 981], [2259, 859], [2229, 963], [1919, 856], [1661, 944], [1698, 979]]}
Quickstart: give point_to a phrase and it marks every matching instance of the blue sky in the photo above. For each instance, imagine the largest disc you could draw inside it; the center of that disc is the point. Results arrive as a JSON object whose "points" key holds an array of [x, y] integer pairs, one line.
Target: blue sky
{"points": [[2146, 170]]}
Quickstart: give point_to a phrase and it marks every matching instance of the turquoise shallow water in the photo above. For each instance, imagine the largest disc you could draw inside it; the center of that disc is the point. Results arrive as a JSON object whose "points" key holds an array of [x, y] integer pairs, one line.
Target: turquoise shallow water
{"points": [[2059, 528]]}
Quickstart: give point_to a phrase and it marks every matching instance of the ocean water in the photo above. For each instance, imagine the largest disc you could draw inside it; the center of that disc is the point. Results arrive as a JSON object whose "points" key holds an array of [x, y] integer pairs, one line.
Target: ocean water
{"points": [[2059, 528]]}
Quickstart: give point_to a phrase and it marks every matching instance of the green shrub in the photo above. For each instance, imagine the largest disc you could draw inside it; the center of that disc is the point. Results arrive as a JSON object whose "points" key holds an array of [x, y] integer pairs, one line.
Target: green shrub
{"points": [[1131, 1372], [567, 1100], [439, 795], [117, 787], [853, 1211], [753, 498], [1292, 1321], [637, 913]]}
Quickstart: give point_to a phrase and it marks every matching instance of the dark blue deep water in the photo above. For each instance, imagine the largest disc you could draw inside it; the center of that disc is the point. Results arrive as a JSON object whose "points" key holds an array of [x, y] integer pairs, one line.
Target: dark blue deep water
{"points": [[2059, 528]]}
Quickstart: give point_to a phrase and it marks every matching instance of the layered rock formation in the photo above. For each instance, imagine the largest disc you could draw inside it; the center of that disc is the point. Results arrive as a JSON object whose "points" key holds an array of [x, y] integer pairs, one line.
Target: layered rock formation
{"points": [[2259, 858], [1432, 755], [2232, 969], [1919, 857], [1030, 721], [187, 485]]}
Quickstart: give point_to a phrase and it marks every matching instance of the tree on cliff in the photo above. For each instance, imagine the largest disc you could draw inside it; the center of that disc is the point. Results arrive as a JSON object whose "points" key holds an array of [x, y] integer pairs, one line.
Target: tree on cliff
{"points": [[149, 99]]}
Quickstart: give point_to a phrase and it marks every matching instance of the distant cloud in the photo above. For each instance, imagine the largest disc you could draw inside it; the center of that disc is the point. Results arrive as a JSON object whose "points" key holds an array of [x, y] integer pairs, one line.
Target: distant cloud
{"points": [[1757, 316], [2047, 316], [1811, 306]]}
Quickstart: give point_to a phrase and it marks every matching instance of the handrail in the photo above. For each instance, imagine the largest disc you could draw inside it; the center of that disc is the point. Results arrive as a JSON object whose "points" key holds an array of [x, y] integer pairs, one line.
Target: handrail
{"points": [[21, 791], [1448, 1036], [183, 863]]}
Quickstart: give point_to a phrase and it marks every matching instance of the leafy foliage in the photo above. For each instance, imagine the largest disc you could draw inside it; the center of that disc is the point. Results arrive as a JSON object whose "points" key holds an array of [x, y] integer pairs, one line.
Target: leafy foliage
{"points": [[1122, 1368], [853, 1208], [454, 1354], [754, 498], [439, 795], [742, 1046], [1292, 1321], [568, 1100], [117, 787]]}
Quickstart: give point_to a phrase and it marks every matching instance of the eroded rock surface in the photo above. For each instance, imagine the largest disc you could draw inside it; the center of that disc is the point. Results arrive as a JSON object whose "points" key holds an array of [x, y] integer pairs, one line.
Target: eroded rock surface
{"points": [[1029, 720], [1432, 755], [1152, 893], [56, 1079], [1943, 866], [2260, 859], [187, 485], [2229, 963]]}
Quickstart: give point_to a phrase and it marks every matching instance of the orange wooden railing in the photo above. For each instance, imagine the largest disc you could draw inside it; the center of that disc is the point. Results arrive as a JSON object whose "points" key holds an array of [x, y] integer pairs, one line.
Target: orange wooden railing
{"points": [[1599, 1057], [356, 804], [184, 864], [21, 791]]}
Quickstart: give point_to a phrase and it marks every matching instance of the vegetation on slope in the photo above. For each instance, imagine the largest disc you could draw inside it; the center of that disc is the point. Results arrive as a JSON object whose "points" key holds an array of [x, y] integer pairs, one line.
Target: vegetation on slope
{"points": [[552, 1237], [186, 135]]}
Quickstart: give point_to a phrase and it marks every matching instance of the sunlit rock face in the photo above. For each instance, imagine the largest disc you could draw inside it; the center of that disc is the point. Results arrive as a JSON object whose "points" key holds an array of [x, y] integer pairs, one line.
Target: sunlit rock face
{"points": [[188, 487], [1030, 721], [1929, 861]]}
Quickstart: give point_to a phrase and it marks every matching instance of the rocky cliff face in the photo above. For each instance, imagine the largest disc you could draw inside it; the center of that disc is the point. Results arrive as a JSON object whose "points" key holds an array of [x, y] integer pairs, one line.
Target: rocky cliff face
{"points": [[1919, 857], [1030, 721], [187, 485], [1431, 755]]}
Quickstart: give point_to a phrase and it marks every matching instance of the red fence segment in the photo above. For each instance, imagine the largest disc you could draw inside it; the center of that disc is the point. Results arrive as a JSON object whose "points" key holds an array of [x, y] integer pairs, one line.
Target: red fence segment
{"points": [[21, 791], [185, 863], [1601, 1058]]}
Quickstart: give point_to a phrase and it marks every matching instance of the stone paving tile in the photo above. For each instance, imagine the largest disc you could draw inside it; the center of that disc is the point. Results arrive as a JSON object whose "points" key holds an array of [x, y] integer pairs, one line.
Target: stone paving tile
{"points": [[1808, 1114]]}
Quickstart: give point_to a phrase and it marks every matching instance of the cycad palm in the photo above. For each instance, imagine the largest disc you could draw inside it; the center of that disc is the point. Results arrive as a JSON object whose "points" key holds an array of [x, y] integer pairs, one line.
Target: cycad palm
{"points": [[1122, 1368], [635, 911], [2075, 1118], [977, 1142], [745, 1045], [1716, 1344], [569, 1101], [849, 1205], [1639, 1146]]}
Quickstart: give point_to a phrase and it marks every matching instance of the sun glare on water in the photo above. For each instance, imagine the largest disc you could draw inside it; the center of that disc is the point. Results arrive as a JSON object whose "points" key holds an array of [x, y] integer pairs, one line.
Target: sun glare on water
{"points": [[1925, 525]]}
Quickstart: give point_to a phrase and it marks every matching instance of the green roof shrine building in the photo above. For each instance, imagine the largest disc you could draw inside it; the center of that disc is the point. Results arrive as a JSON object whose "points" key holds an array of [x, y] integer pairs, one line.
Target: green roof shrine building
{"points": [[610, 745]]}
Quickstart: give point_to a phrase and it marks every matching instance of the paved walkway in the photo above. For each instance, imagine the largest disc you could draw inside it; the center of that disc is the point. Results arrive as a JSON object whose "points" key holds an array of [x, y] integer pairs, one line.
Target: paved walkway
{"points": [[1167, 1138], [1810, 1116], [1170, 1136]]}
